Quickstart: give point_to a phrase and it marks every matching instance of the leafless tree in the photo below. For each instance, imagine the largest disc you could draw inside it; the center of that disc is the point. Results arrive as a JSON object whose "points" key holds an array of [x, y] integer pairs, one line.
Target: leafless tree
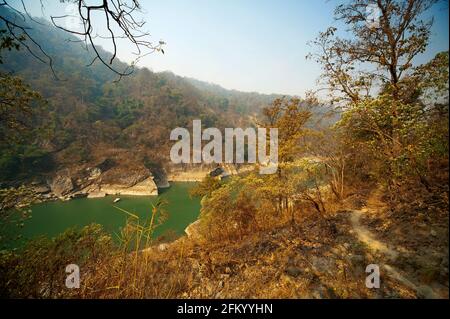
{"points": [[120, 22]]}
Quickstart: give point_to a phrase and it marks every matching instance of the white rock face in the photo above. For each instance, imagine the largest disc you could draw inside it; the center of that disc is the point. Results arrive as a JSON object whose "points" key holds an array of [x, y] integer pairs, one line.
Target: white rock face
{"points": [[146, 187], [96, 195]]}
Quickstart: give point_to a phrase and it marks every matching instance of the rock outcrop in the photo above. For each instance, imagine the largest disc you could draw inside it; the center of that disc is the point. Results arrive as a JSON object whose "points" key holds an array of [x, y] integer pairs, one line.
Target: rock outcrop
{"points": [[161, 180], [120, 181], [96, 194], [192, 230], [197, 172], [146, 187], [62, 185]]}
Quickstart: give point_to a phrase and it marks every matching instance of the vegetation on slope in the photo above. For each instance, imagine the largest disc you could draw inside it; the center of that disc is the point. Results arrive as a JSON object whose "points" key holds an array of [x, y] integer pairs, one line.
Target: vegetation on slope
{"points": [[297, 233]]}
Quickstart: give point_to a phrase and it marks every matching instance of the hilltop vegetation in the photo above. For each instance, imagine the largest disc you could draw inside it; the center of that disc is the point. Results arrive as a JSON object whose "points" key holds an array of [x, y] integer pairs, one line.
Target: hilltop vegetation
{"points": [[371, 188], [88, 114]]}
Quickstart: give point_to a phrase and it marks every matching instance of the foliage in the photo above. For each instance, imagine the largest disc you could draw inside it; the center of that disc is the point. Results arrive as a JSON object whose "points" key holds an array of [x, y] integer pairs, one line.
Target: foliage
{"points": [[206, 187], [87, 112], [374, 54], [38, 269]]}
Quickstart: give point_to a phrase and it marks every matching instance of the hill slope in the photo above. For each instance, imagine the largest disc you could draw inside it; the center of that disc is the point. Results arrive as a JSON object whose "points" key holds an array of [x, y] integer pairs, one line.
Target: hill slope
{"points": [[90, 118]]}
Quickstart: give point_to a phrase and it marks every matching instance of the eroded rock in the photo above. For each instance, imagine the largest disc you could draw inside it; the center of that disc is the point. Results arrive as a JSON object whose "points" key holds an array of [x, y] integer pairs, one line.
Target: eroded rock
{"points": [[61, 185]]}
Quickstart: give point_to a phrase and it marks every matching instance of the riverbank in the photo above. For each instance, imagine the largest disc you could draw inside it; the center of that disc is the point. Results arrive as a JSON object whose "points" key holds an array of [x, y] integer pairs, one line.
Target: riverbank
{"points": [[111, 179]]}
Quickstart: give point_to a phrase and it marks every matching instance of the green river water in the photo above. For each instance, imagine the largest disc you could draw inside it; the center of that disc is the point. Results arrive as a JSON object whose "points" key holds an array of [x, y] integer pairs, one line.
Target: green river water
{"points": [[52, 218]]}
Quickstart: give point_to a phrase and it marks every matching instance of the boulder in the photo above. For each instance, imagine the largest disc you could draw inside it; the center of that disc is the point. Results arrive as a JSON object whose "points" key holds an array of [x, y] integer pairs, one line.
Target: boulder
{"points": [[61, 185], [78, 195], [41, 189], [147, 187], [124, 177], [96, 195], [161, 180]]}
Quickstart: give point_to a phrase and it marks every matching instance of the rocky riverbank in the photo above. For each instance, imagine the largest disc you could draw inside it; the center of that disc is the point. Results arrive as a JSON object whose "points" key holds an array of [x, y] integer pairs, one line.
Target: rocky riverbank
{"points": [[111, 178], [197, 172], [106, 178]]}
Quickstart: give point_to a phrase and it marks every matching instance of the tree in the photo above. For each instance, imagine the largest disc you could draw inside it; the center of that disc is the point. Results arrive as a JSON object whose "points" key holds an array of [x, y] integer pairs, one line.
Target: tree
{"points": [[375, 55], [206, 187], [18, 104], [121, 23], [20, 120], [290, 117], [372, 76]]}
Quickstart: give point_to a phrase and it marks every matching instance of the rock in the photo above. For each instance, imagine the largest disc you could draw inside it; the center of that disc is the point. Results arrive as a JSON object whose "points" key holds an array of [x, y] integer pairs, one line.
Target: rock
{"points": [[433, 233], [293, 271], [192, 229], [147, 187], [41, 189], [336, 251], [61, 185], [161, 180], [78, 195], [188, 172], [120, 181], [96, 195], [94, 173]]}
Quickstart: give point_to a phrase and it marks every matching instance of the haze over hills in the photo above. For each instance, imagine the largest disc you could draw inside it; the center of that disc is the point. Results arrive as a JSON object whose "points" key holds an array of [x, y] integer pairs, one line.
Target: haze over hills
{"points": [[89, 116]]}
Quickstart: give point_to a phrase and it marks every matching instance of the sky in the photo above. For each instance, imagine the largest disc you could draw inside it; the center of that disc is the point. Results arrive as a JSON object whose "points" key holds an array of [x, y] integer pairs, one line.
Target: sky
{"points": [[247, 45]]}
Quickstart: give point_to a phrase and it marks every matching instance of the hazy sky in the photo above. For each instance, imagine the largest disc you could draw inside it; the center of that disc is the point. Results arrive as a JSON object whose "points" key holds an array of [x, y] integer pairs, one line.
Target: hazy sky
{"points": [[248, 45]]}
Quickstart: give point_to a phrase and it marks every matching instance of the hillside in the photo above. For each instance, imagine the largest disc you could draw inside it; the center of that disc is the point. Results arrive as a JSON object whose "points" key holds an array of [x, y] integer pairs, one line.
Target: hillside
{"points": [[90, 117], [357, 205]]}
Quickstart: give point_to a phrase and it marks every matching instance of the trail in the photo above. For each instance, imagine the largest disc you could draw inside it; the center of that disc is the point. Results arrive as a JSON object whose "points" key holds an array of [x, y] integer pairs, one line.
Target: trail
{"points": [[368, 238]]}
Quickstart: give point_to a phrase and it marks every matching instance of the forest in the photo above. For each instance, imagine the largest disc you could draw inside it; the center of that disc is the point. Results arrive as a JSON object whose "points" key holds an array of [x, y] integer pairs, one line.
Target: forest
{"points": [[362, 175]]}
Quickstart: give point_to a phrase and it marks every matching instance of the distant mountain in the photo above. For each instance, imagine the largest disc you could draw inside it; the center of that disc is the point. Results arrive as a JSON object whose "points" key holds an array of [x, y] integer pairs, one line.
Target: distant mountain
{"points": [[90, 116]]}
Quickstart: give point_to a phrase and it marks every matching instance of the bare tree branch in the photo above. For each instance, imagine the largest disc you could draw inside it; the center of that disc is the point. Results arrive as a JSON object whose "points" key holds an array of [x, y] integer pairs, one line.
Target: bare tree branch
{"points": [[120, 23]]}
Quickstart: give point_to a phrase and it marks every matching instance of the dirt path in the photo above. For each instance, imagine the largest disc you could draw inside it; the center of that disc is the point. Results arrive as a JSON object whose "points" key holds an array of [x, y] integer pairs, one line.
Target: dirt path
{"points": [[368, 238]]}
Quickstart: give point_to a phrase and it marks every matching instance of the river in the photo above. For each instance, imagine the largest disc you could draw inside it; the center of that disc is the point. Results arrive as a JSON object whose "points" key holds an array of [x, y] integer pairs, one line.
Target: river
{"points": [[52, 218]]}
